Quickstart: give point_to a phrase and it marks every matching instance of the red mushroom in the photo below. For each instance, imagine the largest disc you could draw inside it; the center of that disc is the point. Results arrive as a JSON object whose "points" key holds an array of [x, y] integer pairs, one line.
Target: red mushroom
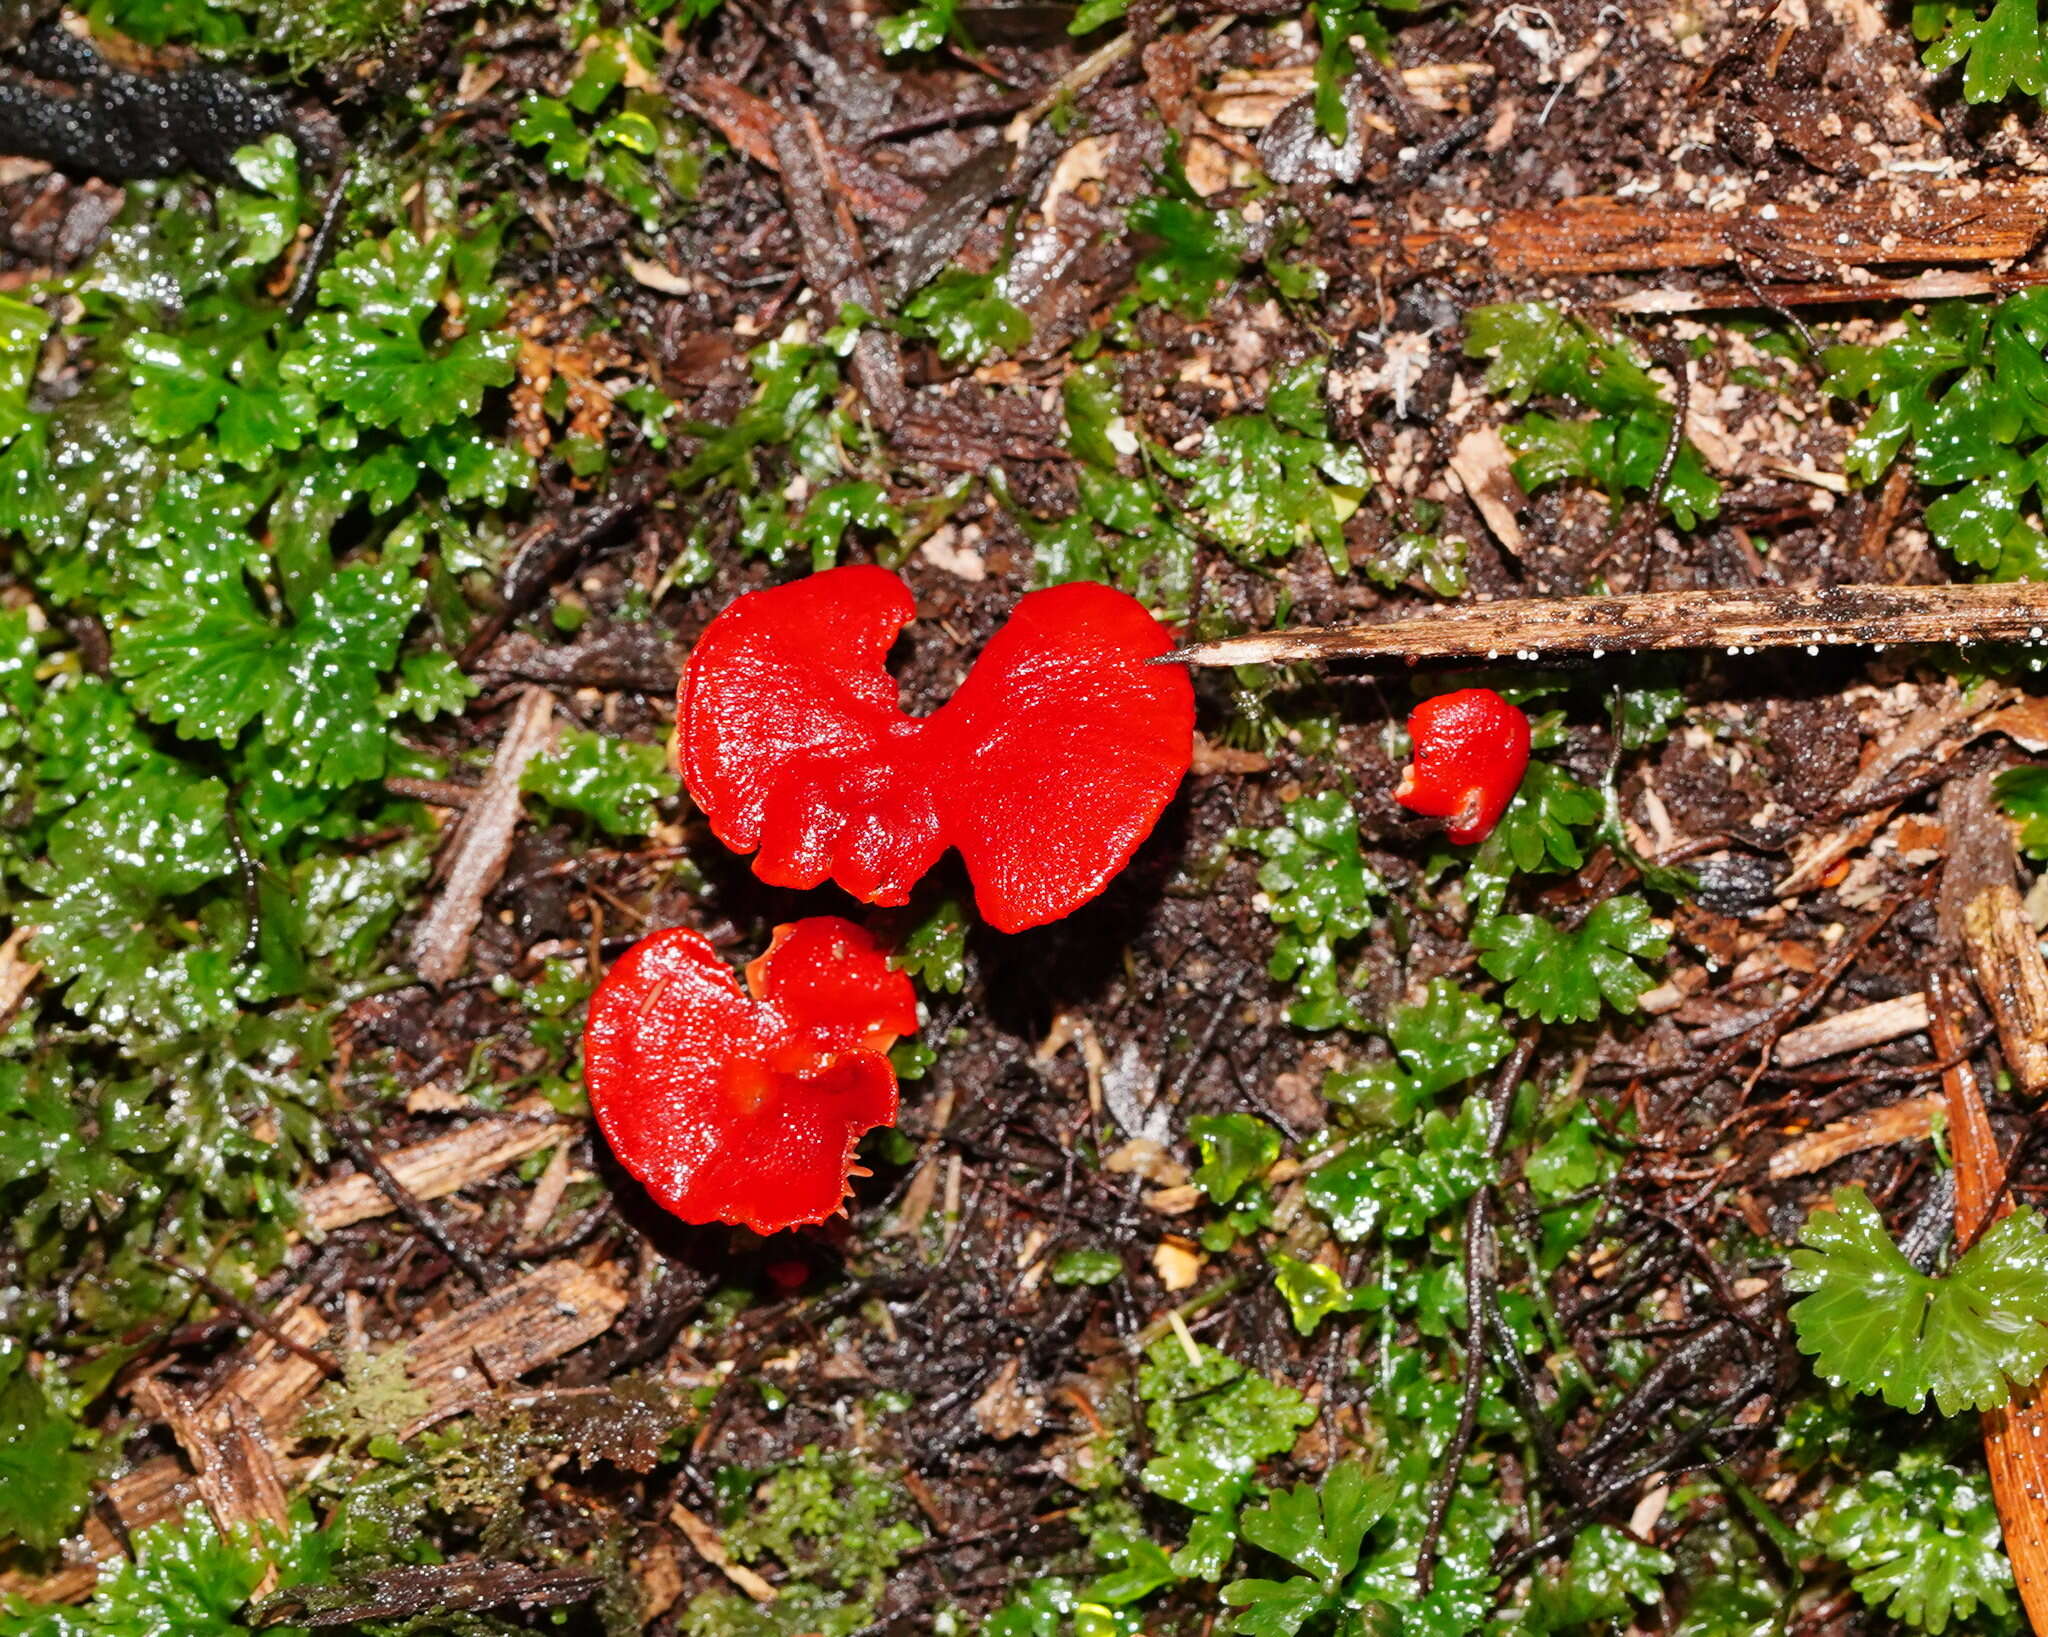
{"points": [[730, 1109], [1470, 749], [1046, 769]]}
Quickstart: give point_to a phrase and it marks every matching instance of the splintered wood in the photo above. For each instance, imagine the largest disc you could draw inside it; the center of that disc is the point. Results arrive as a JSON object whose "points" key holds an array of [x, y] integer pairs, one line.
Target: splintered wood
{"points": [[1939, 222], [1909, 1121], [483, 842], [430, 1170], [533, 1321], [1845, 1032], [1596, 625], [1545, 627], [2005, 955], [2016, 1434], [237, 1433]]}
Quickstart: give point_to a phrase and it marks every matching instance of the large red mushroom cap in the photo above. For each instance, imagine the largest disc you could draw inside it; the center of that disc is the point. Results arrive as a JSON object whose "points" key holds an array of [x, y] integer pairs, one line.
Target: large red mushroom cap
{"points": [[1470, 749], [747, 1110], [1046, 769]]}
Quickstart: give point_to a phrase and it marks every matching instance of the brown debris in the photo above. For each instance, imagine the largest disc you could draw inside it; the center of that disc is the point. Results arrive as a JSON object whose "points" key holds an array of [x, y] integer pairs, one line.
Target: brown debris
{"points": [[1762, 617], [1908, 1121], [2005, 955], [1874, 1025], [1934, 733], [483, 842], [432, 1169], [1943, 223], [749, 123], [835, 264], [530, 1322], [711, 1548]]}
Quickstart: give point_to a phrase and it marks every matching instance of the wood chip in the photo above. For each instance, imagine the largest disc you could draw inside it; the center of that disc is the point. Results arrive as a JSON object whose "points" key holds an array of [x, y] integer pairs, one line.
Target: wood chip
{"points": [[233, 1464], [530, 1322], [1908, 1121], [270, 1384], [1845, 1032], [1213, 758], [16, 974], [432, 1169], [547, 1197], [483, 842], [1177, 1263], [1764, 617], [711, 1549], [1004, 1410], [1942, 286], [1938, 223], [1483, 468], [2005, 956]]}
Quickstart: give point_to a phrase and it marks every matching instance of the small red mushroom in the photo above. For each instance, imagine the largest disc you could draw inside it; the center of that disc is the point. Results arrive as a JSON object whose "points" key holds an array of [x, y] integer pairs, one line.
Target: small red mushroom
{"points": [[1046, 769], [731, 1109], [1470, 749]]}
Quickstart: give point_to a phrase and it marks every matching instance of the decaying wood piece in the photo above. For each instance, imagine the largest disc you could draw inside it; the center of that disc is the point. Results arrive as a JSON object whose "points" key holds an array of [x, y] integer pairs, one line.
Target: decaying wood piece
{"points": [[1933, 733], [1876, 1025], [17, 973], [835, 264], [432, 1169], [2015, 1435], [710, 1547], [1909, 1121], [483, 842], [533, 1321], [1943, 223], [1943, 286], [270, 1383], [233, 1464], [1765, 617], [748, 122], [2005, 955]]}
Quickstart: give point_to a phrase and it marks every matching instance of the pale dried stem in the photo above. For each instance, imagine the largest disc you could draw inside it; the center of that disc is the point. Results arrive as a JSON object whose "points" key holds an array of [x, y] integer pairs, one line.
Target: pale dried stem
{"points": [[1550, 627]]}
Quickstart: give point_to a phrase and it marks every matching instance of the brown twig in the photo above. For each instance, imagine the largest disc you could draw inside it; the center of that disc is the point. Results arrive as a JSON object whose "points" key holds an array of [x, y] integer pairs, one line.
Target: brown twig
{"points": [[1738, 620], [483, 843]]}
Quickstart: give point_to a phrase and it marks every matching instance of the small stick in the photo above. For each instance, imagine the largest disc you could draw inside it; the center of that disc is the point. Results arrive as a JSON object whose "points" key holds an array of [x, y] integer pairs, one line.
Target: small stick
{"points": [[1538, 627]]}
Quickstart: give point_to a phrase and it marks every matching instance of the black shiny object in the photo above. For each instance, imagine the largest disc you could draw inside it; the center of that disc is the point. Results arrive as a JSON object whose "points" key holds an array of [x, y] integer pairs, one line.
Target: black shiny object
{"points": [[62, 102]]}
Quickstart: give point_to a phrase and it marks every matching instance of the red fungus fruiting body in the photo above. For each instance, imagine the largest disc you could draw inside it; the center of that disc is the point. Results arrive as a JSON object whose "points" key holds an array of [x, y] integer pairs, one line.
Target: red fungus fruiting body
{"points": [[1470, 749], [747, 1110], [1046, 769]]}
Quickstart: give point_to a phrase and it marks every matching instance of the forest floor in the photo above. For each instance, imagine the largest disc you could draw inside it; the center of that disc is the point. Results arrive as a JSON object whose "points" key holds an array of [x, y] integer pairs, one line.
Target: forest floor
{"points": [[368, 484]]}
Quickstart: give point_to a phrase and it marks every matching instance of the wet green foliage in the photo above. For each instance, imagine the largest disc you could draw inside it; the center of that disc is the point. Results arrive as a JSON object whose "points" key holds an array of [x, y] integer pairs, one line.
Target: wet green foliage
{"points": [[1265, 484], [607, 132], [48, 1463], [1319, 890], [836, 1526], [187, 1579], [2023, 793], [269, 515], [1877, 1324], [1923, 1540], [2002, 50], [613, 782], [1964, 392], [966, 317], [1567, 974], [1537, 351], [1123, 533]]}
